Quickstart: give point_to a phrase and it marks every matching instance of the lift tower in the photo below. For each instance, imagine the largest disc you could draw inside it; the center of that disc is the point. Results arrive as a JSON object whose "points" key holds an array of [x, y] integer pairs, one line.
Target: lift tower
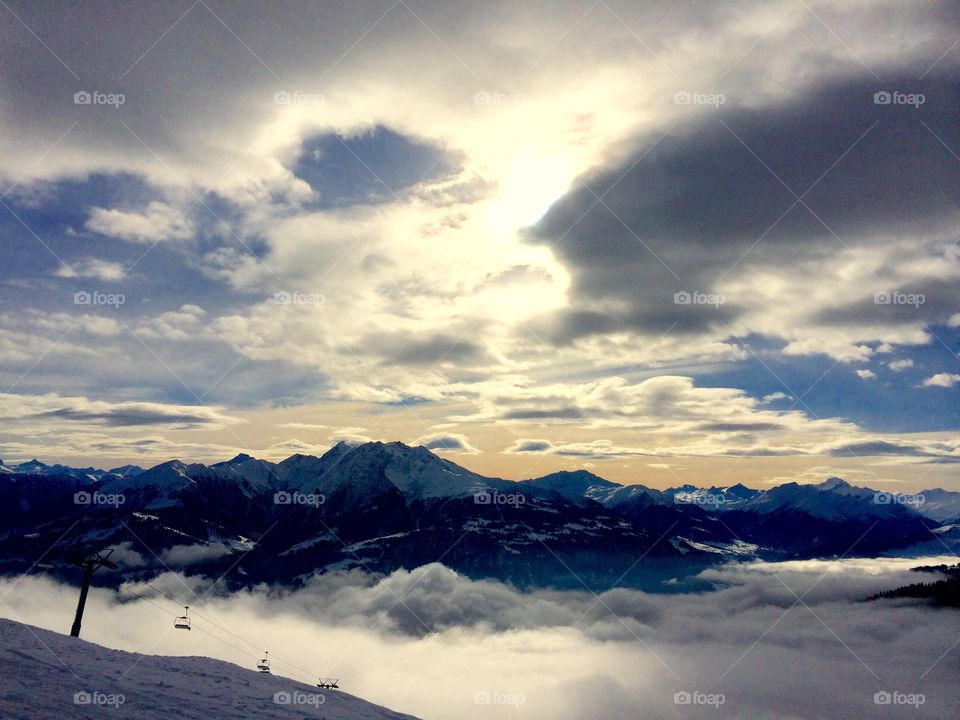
{"points": [[90, 564]]}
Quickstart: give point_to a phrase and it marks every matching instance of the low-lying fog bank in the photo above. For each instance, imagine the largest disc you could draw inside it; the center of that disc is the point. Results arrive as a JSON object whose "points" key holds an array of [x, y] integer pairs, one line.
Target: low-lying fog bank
{"points": [[784, 640]]}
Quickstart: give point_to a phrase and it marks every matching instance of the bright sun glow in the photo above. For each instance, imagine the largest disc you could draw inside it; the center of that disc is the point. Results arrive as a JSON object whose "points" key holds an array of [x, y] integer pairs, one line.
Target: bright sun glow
{"points": [[530, 187]]}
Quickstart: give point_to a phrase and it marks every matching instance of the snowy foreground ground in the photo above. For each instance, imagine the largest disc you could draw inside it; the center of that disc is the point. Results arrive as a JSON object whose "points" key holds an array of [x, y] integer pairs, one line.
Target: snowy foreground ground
{"points": [[48, 675]]}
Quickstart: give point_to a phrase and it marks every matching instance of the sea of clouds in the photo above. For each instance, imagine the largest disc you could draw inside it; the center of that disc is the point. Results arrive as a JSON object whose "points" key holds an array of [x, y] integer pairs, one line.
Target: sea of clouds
{"points": [[773, 640]]}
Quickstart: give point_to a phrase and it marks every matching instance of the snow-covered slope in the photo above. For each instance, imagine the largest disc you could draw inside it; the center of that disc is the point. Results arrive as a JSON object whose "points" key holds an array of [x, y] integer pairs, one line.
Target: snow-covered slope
{"points": [[633, 495], [834, 499], [49, 675], [261, 474], [35, 467], [125, 470], [32, 467], [171, 475], [715, 498], [164, 482], [938, 504]]}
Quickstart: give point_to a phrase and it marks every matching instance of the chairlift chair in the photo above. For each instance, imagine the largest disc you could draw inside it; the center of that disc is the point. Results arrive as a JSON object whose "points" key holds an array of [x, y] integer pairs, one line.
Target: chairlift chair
{"points": [[264, 664], [183, 622]]}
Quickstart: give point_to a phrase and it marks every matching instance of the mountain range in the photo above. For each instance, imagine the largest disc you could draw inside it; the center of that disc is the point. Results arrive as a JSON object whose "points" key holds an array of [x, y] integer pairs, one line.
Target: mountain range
{"points": [[379, 507]]}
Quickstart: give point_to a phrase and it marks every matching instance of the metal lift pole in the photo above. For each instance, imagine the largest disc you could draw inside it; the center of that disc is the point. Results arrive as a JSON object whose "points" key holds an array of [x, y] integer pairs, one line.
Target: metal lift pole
{"points": [[90, 565], [87, 577]]}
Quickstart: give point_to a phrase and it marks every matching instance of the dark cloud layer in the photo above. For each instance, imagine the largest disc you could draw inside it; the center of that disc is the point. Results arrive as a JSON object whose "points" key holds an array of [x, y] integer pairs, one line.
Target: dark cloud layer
{"points": [[121, 418], [676, 213], [403, 349]]}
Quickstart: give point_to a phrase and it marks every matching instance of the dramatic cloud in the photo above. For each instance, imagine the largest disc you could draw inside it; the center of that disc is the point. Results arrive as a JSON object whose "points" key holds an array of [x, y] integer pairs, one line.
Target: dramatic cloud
{"points": [[503, 219], [728, 219]]}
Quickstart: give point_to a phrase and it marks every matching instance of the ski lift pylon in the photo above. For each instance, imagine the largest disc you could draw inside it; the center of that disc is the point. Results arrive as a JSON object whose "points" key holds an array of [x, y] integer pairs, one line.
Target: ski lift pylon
{"points": [[183, 622], [264, 664], [328, 683]]}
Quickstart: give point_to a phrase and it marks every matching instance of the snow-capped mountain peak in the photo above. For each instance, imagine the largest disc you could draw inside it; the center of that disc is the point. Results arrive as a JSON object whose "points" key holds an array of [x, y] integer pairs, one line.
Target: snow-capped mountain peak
{"points": [[416, 472], [169, 477], [572, 483], [740, 491], [834, 483], [33, 467], [240, 458], [259, 474], [126, 470], [360, 473]]}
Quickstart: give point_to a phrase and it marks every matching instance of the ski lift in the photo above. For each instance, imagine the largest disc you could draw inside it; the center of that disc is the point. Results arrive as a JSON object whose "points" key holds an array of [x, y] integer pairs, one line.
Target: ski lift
{"points": [[328, 683], [183, 622], [264, 664]]}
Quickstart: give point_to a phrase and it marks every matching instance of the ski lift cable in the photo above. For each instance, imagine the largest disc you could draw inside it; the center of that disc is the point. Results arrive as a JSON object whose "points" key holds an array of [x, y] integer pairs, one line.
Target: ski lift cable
{"points": [[201, 616], [146, 599], [162, 609], [248, 653], [227, 642], [161, 592], [276, 658], [215, 637]]}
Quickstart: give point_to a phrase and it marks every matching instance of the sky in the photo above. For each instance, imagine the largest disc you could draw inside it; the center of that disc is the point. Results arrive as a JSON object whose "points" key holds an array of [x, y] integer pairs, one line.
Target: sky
{"points": [[665, 242], [445, 645]]}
